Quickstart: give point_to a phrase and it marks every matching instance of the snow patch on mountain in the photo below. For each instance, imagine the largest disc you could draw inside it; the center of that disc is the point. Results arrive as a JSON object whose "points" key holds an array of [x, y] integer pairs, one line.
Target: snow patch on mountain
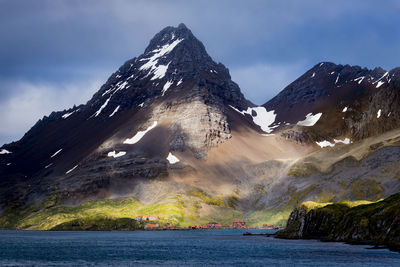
{"points": [[73, 168], [116, 155], [379, 82], [47, 166], [66, 115], [345, 141], [263, 118], [152, 62], [159, 72], [115, 111], [326, 143], [139, 135], [55, 154], [310, 120], [172, 159], [97, 113], [337, 78], [359, 79], [166, 86], [4, 151], [119, 86]]}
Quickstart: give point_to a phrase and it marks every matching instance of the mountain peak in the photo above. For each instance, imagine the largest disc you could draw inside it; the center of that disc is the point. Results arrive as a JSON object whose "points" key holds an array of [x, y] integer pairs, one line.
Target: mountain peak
{"points": [[182, 26], [174, 61], [179, 49], [170, 34]]}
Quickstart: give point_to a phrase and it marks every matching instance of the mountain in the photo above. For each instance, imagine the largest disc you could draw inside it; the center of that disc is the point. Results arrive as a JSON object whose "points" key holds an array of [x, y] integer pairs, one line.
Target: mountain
{"points": [[170, 132], [354, 102]]}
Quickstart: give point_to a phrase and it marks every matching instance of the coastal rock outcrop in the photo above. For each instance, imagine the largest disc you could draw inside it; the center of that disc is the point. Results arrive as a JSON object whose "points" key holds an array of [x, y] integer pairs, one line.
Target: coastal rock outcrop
{"points": [[359, 222]]}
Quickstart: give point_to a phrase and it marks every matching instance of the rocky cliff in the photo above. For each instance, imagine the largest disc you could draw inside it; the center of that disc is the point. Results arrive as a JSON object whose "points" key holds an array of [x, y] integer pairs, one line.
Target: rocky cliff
{"points": [[360, 222]]}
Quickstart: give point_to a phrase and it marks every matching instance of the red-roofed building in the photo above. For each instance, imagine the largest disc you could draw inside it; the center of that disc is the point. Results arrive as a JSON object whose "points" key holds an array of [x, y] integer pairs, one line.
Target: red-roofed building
{"points": [[239, 224]]}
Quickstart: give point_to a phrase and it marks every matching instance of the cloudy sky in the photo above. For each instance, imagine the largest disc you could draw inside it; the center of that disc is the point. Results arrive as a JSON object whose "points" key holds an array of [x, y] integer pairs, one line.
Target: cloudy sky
{"points": [[54, 53]]}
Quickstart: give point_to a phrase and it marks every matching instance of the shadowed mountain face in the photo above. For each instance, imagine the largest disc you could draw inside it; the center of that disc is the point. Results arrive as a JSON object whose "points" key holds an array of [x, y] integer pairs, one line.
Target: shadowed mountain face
{"points": [[172, 122], [353, 102]]}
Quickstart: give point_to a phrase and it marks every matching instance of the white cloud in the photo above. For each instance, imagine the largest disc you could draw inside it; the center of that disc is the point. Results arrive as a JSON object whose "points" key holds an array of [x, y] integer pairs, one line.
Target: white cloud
{"points": [[260, 82], [31, 101]]}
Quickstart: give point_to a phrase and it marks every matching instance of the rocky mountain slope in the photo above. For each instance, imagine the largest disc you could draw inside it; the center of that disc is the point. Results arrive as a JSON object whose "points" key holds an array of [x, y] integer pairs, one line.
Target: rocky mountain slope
{"points": [[174, 87], [358, 222], [171, 129], [353, 102]]}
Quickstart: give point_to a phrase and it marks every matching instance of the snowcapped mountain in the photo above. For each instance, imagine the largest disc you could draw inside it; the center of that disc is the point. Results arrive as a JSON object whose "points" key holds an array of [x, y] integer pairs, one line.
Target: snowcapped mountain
{"points": [[172, 122], [173, 97]]}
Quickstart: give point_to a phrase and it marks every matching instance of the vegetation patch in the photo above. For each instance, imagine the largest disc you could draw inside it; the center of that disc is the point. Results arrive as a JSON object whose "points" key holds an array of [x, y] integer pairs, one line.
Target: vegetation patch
{"points": [[277, 217], [99, 224], [309, 205], [299, 170], [368, 188], [101, 212], [206, 198]]}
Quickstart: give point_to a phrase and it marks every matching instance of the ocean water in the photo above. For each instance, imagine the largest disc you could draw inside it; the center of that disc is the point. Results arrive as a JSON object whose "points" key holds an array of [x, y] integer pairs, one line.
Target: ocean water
{"points": [[179, 248]]}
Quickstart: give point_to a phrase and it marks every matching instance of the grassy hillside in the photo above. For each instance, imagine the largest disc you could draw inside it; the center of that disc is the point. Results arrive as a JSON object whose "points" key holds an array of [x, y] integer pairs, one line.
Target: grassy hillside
{"points": [[193, 207], [99, 212]]}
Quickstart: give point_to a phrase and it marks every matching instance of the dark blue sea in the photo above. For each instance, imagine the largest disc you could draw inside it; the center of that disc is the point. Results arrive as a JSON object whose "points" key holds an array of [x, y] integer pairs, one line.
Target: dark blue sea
{"points": [[179, 248]]}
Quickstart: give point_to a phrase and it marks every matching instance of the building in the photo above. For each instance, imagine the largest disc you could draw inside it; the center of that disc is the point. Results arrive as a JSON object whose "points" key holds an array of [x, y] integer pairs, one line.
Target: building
{"points": [[151, 226], [147, 218], [239, 224], [212, 225]]}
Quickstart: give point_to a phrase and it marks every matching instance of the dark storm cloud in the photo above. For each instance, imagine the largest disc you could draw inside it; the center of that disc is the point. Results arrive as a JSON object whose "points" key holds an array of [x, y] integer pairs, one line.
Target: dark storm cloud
{"points": [[58, 46]]}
